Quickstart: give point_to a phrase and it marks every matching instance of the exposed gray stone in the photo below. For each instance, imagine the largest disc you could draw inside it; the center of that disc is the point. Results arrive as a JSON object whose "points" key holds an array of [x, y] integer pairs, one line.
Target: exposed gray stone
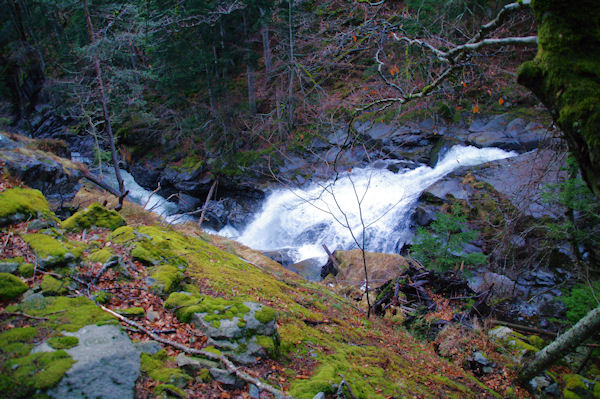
{"points": [[149, 347], [107, 365], [320, 395], [253, 391], [226, 378], [192, 365], [9, 267]]}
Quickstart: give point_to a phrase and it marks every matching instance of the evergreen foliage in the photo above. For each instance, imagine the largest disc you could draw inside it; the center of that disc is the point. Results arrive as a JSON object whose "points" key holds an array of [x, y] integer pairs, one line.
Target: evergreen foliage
{"points": [[441, 248]]}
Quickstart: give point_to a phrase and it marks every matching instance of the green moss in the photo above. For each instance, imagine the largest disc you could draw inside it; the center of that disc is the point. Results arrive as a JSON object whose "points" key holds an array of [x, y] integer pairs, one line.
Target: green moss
{"points": [[95, 215], [166, 390], [52, 286], [212, 349], [34, 372], [63, 342], [131, 312], [265, 315], [536, 341], [101, 255], [204, 375], [26, 269], [269, 344], [576, 388], [167, 278], [122, 235], [154, 366], [18, 204], [16, 342], [11, 286], [101, 297], [217, 309], [49, 251], [65, 314]]}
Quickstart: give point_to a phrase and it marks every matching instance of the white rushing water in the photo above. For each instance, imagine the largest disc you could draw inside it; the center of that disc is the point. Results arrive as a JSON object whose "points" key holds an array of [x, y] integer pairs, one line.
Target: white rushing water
{"points": [[141, 196], [329, 213]]}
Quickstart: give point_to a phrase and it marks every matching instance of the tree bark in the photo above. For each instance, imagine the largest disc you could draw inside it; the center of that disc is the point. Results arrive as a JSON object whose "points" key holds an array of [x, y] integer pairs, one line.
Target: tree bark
{"points": [[565, 76], [104, 102], [562, 345]]}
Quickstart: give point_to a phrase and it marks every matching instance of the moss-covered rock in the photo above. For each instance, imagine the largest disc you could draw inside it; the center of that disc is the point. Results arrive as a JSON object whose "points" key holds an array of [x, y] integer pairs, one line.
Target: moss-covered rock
{"points": [[577, 387], [19, 204], [10, 265], [165, 279], [50, 252], [63, 342], [155, 366], [101, 255], [131, 312], [26, 270], [52, 286], [95, 215], [169, 390], [11, 286], [123, 234], [25, 376]]}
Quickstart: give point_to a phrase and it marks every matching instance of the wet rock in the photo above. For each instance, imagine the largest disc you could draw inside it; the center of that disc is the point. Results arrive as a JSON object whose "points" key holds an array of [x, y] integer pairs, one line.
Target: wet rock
{"points": [[283, 256], [187, 203], [312, 234], [310, 269], [147, 173], [253, 391], [424, 215], [106, 365], [226, 212]]}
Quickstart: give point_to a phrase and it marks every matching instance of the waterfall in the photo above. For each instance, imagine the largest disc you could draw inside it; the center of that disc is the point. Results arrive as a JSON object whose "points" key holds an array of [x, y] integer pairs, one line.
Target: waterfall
{"points": [[138, 194], [302, 219]]}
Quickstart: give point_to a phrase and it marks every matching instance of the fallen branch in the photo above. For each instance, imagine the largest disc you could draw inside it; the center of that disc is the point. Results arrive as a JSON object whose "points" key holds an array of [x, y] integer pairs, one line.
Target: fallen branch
{"points": [[199, 352], [208, 197], [21, 314]]}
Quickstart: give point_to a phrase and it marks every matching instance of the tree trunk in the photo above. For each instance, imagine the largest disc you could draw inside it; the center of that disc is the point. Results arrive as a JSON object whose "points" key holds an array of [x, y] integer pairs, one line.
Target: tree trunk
{"points": [[104, 102], [290, 102], [249, 70], [562, 345], [266, 46], [565, 76]]}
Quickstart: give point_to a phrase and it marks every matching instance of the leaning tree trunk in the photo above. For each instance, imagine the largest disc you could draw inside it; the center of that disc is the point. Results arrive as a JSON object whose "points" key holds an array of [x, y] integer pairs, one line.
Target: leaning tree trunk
{"points": [[104, 102], [585, 328], [565, 76]]}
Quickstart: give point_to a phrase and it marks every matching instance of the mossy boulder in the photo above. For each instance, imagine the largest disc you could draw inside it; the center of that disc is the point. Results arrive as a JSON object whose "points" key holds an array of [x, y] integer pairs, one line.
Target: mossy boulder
{"points": [[51, 252], [123, 234], [26, 270], [101, 255], [93, 216], [131, 312], [517, 344], [11, 286], [245, 330], [165, 279], [52, 286], [19, 204], [63, 342], [10, 265], [578, 387], [155, 366]]}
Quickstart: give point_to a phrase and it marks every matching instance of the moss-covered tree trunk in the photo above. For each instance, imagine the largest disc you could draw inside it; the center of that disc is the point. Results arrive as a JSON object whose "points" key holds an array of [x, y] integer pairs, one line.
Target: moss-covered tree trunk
{"points": [[565, 76], [585, 328]]}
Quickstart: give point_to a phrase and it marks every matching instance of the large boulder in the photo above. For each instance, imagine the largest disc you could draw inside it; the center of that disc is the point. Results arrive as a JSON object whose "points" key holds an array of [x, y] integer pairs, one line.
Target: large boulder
{"points": [[56, 177], [106, 365], [380, 267], [19, 204], [93, 216]]}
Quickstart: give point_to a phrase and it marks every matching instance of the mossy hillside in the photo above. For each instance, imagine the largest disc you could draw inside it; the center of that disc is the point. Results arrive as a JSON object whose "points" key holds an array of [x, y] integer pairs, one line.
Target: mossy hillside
{"points": [[373, 372], [93, 216], [51, 252], [122, 235], [11, 286], [18, 204], [577, 387]]}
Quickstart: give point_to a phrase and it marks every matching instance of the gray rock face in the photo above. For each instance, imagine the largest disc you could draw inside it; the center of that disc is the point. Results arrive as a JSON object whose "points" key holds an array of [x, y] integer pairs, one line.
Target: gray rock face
{"points": [[43, 173], [107, 365]]}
